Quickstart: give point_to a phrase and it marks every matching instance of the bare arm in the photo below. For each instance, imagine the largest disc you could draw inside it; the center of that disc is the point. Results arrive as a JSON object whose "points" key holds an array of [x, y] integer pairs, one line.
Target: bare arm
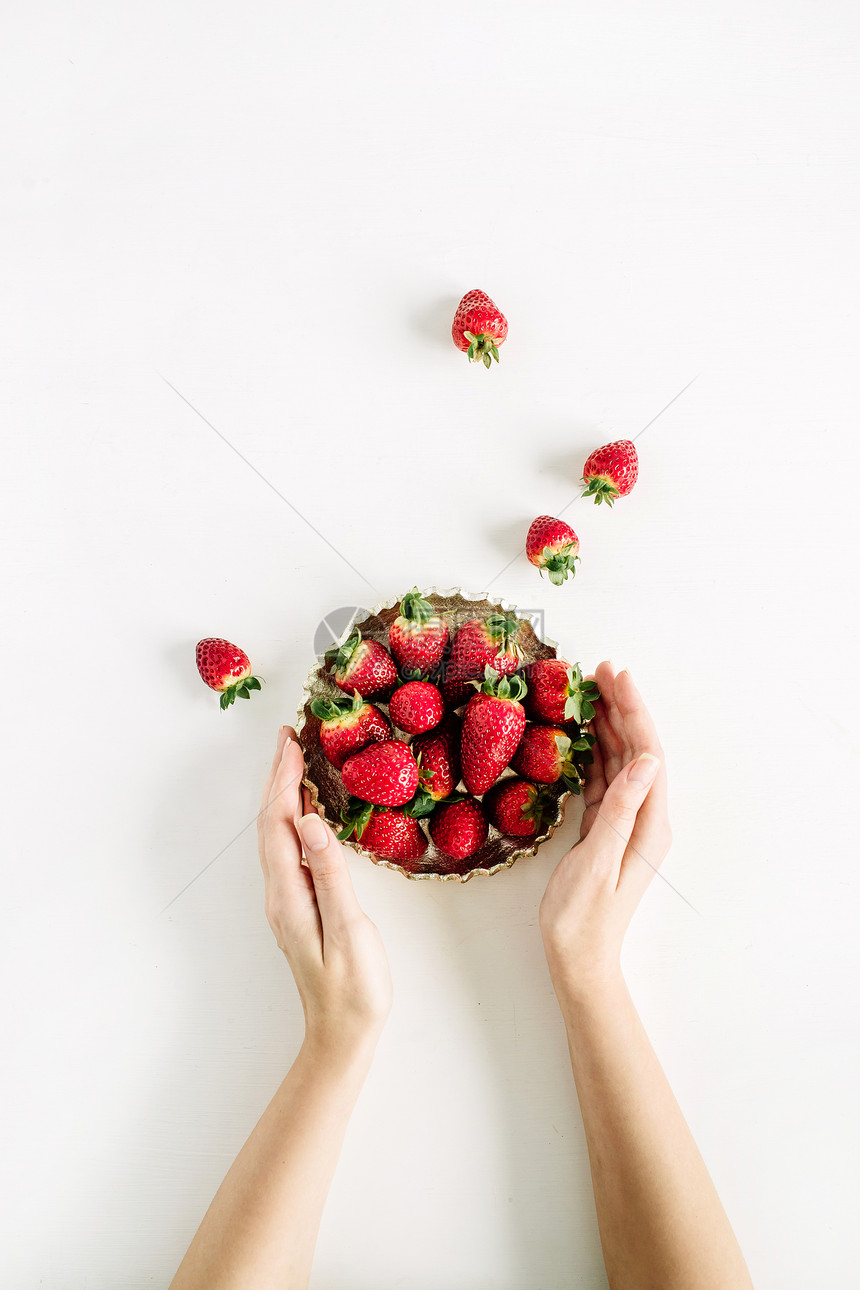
{"points": [[661, 1221], [261, 1228]]}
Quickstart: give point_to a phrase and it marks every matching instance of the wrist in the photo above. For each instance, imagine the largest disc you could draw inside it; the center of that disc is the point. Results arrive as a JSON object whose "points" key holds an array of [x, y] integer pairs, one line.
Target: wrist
{"points": [[581, 987], [342, 1053]]}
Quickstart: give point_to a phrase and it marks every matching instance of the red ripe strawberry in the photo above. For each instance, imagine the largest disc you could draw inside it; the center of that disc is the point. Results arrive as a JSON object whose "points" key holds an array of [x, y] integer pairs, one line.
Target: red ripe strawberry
{"points": [[362, 665], [347, 727], [418, 636], [459, 829], [552, 545], [519, 808], [610, 472], [385, 773], [416, 706], [390, 835], [558, 693], [225, 668], [493, 725], [480, 643], [438, 752], [547, 754], [479, 328]]}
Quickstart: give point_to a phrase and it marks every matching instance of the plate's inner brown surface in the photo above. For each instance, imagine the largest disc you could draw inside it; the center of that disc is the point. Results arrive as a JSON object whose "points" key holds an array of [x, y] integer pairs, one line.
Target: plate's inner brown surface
{"points": [[325, 783]]}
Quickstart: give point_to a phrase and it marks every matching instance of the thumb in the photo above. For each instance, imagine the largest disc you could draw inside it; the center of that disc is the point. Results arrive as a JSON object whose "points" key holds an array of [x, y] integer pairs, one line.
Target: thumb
{"points": [[326, 859], [616, 814]]}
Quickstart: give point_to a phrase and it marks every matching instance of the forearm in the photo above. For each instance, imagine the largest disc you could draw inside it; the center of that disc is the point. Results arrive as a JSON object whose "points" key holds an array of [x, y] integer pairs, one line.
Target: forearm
{"points": [[660, 1218], [261, 1228]]}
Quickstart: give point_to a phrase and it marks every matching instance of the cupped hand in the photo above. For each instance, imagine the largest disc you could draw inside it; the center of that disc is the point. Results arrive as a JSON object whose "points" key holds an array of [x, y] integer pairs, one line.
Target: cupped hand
{"points": [[334, 950], [596, 887]]}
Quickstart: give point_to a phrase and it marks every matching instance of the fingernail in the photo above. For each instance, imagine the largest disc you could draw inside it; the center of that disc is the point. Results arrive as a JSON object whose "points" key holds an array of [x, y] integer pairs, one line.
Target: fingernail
{"points": [[313, 831], [644, 769]]}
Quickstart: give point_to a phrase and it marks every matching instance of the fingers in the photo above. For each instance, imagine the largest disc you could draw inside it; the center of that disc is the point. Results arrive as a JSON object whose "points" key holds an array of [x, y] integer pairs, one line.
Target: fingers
{"points": [[289, 891], [593, 789], [329, 870], [285, 733], [611, 718], [615, 817]]}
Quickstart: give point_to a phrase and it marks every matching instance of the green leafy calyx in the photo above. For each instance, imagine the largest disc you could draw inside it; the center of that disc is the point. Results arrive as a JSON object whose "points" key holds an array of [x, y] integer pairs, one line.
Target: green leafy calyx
{"points": [[242, 690], [601, 487], [502, 687], [415, 608], [579, 705], [482, 348]]}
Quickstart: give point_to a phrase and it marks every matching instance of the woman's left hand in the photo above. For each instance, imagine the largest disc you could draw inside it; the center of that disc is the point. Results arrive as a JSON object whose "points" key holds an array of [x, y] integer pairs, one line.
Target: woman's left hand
{"points": [[334, 950]]}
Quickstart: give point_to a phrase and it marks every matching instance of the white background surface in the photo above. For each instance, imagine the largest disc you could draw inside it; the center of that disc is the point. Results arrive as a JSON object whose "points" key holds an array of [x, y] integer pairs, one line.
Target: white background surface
{"points": [[276, 208]]}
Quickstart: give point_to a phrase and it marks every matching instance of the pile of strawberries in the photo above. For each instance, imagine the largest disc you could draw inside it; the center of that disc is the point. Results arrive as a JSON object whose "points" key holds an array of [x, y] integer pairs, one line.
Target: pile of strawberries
{"points": [[466, 708]]}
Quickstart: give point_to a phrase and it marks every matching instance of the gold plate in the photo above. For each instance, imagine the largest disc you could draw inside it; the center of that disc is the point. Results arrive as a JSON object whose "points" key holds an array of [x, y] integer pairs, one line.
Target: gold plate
{"points": [[324, 782]]}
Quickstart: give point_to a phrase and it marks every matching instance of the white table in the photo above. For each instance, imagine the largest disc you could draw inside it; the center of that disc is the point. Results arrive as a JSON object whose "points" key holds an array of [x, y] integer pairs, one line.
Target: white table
{"points": [[275, 209]]}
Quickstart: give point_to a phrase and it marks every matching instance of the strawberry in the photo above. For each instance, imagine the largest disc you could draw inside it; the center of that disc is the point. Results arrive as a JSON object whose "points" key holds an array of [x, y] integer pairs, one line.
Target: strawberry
{"points": [[347, 727], [384, 773], [519, 808], [493, 725], [552, 545], [547, 754], [480, 643], [438, 753], [459, 829], [557, 692], [416, 706], [225, 668], [610, 472], [389, 834], [418, 636], [479, 328], [362, 665]]}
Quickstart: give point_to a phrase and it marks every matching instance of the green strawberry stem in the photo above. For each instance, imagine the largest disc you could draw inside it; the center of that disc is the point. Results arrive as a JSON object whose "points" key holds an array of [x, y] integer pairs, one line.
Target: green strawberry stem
{"points": [[328, 709], [505, 687], [343, 653], [559, 564], [579, 705], [241, 689], [414, 607], [601, 488], [483, 347]]}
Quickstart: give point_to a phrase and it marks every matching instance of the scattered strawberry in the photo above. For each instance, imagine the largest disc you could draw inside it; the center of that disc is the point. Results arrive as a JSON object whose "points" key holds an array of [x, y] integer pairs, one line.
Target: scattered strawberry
{"points": [[362, 665], [389, 834], [225, 668], [548, 754], [416, 706], [418, 636], [610, 472], [384, 773], [479, 328], [438, 754], [558, 693], [348, 726], [480, 643], [493, 725], [552, 545], [519, 808], [459, 829]]}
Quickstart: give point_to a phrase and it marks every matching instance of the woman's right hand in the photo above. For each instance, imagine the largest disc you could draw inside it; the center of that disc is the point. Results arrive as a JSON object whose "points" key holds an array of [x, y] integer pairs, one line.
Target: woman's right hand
{"points": [[596, 887]]}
